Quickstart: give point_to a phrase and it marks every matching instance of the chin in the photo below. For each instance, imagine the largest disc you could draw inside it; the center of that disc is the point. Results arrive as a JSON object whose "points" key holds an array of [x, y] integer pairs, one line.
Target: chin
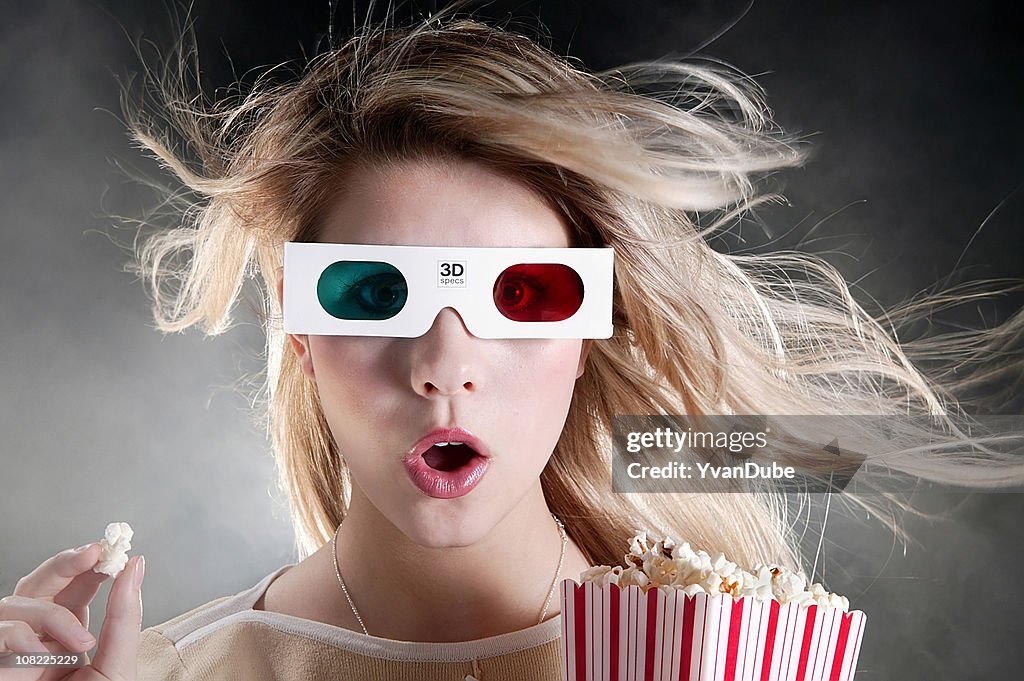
{"points": [[448, 527]]}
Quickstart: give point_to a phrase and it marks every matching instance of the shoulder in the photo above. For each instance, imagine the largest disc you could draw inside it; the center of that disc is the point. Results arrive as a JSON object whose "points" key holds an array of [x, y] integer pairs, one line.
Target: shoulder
{"points": [[179, 647]]}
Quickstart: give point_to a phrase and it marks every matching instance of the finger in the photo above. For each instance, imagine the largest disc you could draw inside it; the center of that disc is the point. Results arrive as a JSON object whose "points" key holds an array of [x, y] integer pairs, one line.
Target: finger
{"points": [[18, 637], [77, 596], [49, 620], [119, 638], [57, 648], [55, 573]]}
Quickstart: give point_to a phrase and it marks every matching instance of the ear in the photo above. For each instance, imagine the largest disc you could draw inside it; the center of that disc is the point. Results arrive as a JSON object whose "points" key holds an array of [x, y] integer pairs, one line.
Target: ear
{"points": [[299, 342], [279, 287], [584, 351]]}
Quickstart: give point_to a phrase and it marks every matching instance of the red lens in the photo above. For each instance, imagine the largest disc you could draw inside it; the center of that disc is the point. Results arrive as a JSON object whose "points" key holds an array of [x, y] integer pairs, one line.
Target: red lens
{"points": [[538, 292]]}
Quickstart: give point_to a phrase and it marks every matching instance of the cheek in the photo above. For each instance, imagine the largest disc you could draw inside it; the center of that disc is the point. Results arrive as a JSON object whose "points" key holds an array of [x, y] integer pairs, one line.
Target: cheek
{"points": [[352, 377], [556, 373], [540, 384]]}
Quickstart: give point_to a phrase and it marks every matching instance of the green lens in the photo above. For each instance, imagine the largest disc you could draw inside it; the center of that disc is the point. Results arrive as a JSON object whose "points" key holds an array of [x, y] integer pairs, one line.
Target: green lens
{"points": [[361, 289]]}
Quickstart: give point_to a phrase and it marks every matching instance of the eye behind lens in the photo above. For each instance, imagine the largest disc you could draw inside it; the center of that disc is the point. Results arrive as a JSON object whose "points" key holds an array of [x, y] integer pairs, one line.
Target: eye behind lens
{"points": [[362, 290], [538, 292]]}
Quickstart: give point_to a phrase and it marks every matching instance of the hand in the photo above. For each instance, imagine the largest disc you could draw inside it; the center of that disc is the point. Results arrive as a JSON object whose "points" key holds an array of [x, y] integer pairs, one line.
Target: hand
{"points": [[49, 613]]}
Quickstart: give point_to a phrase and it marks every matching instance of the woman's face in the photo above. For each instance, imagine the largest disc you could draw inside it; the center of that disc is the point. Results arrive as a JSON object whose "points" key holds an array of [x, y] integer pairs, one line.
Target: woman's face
{"points": [[382, 396]]}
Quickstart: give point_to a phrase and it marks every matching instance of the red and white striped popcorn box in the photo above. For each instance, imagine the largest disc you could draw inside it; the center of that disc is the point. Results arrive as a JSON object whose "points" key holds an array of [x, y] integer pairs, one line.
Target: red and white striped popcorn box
{"points": [[623, 634]]}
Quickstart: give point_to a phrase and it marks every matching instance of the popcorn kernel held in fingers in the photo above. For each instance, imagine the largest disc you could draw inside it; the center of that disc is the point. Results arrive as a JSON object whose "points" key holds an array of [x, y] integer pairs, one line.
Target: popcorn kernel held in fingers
{"points": [[114, 548]]}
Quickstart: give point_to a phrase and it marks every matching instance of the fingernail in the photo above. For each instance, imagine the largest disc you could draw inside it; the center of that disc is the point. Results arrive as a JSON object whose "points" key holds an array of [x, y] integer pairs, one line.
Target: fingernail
{"points": [[87, 638], [83, 548], [140, 570]]}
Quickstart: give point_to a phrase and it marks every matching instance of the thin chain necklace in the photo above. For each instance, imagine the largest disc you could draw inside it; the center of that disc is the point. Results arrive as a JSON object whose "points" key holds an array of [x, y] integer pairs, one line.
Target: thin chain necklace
{"points": [[543, 612]]}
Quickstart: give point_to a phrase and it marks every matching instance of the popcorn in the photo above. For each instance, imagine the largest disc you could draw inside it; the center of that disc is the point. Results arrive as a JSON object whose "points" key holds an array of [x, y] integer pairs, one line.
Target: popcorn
{"points": [[679, 613], [114, 548], [757, 586], [693, 589], [602, 574], [659, 563], [660, 569], [787, 586], [634, 576]]}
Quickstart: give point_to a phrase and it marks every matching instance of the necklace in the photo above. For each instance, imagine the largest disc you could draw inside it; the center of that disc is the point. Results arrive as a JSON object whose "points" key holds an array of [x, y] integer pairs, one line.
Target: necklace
{"points": [[543, 612]]}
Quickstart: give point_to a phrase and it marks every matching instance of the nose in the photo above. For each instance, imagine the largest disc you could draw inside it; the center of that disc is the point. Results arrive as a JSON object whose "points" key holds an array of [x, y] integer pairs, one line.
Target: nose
{"points": [[446, 360]]}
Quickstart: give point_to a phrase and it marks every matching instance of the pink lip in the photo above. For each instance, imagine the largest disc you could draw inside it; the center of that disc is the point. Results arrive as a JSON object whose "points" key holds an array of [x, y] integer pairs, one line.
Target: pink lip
{"points": [[446, 484]]}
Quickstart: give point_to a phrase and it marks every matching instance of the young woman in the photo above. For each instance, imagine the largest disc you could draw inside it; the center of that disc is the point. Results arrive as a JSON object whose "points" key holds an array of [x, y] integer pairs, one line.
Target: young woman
{"points": [[441, 484]]}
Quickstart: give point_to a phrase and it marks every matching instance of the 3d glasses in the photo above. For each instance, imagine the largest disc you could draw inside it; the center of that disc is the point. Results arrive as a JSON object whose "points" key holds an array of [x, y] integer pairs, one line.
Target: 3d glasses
{"points": [[369, 290]]}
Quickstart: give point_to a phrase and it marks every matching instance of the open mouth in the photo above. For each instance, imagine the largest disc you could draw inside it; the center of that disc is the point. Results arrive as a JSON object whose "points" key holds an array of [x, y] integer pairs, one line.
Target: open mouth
{"points": [[448, 457], [447, 462]]}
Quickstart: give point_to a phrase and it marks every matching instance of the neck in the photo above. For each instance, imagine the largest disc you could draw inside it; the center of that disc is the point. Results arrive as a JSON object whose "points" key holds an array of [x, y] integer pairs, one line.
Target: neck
{"points": [[407, 591]]}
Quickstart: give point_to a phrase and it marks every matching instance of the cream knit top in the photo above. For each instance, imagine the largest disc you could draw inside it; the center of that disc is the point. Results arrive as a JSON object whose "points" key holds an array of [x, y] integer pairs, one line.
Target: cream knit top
{"points": [[227, 639]]}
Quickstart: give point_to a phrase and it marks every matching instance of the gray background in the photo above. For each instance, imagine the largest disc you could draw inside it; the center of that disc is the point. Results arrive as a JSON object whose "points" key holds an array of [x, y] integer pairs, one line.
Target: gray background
{"points": [[916, 119]]}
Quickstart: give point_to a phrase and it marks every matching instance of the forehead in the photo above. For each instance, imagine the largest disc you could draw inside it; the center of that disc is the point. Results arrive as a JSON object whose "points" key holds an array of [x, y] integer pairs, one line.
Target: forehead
{"points": [[440, 203]]}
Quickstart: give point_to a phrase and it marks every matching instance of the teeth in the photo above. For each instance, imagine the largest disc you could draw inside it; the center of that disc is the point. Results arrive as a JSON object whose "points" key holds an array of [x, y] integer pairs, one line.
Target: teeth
{"points": [[445, 444]]}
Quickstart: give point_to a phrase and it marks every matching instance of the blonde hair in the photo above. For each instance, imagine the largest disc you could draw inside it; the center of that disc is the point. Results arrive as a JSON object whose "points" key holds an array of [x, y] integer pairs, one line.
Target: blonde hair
{"points": [[696, 331]]}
